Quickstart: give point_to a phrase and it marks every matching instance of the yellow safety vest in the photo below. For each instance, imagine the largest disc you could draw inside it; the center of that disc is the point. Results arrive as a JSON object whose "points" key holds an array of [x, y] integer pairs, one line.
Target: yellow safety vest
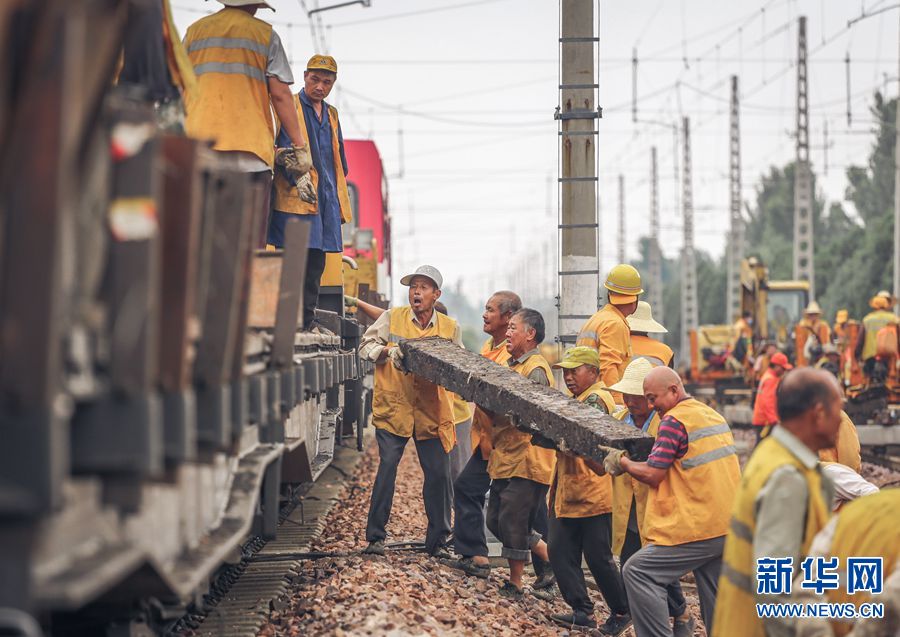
{"points": [[578, 492], [694, 500], [867, 527], [873, 322], [736, 603], [627, 490], [229, 51], [514, 456], [407, 404], [287, 199], [481, 422]]}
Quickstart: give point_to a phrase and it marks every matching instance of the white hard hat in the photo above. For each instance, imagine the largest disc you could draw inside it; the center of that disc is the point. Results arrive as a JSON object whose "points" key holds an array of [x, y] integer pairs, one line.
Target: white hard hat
{"points": [[428, 271]]}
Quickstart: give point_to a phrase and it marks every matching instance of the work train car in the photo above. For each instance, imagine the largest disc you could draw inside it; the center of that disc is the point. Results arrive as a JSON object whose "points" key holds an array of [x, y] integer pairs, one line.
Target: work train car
{"points": [[158, 403]]}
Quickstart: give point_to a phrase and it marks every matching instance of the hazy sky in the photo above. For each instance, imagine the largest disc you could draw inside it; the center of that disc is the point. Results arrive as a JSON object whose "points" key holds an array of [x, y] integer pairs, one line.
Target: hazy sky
{"points": [[472, 84]]}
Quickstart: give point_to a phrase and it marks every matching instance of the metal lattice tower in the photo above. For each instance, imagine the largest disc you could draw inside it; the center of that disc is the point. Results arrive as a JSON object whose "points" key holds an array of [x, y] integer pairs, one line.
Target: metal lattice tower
{"points": [[689, 314], [654, 256], [803, 219], [579, 265], [620, 243], [736, 232]]}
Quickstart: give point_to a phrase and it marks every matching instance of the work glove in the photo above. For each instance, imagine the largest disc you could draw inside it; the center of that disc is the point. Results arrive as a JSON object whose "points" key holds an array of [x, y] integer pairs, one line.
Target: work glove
{"points": [[613, 460], [350, 301], [396, 357], [306, 189], [296, 161]]}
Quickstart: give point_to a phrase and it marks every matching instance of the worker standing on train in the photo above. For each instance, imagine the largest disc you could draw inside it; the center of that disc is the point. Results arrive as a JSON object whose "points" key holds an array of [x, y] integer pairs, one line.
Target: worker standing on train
{"points": [[321, 197], [581, 514], [693, 474], [810, 335], [241, 69], [607, 330], [407, 406], [471, 486], [783, 501], [642, 324]]}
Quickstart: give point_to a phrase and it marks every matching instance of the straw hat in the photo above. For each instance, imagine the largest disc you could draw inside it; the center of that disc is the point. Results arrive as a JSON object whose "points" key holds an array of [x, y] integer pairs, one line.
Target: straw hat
{"points": [[632, 382], [642, 320], [812, 308]]}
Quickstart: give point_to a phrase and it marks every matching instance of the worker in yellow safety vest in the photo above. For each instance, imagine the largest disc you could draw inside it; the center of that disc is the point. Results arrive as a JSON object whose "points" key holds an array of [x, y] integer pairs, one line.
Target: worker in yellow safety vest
{"points": [[581, 513], [607, 330], [642, 324], [407, 406], [322, 196], [810, 336], [867, 340], [865, 530], [471, 485], [783, 501], [241, 70], [693, 474], [630, 495], [520, 471]]}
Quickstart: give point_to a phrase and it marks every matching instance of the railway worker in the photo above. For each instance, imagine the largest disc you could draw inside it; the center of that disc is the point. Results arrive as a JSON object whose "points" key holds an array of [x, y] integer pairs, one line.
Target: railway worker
{"points": [[520, 471], [693, 473], [471, 486], [607, 330], [830, 360], [765, 408], [241, 69], [641, 324], [322, 197], [811, 326], [867, 340], [839, 329], [406, 406], [742, 340], [867, 527], [630, 495], [783, 501], [581, 513], [846, 448]]}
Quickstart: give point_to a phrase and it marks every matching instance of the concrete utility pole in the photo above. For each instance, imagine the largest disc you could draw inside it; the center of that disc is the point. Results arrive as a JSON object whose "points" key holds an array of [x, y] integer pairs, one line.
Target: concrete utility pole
{"points": [[689, 318], [804, 268], [621, 238], [654, 256], [897, 200], [577, 113], [736, 235]]}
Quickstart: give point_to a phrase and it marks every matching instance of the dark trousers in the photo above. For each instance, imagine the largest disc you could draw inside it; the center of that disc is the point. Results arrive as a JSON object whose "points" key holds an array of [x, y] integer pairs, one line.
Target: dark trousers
{"points": [[570, 538], [542, 527], [315, 266], [436, 492], [262, 180], [512, 508], [674, 594], [469, 494]]}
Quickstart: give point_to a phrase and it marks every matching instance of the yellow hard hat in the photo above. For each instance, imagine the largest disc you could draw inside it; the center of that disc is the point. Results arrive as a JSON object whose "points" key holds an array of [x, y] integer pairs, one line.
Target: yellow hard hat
{"points": [[624, 284], [578, 356], [322, 62], [879, 303]]}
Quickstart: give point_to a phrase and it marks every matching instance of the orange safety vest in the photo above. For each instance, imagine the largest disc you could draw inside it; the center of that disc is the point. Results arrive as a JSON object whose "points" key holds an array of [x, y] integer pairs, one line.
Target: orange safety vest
{"points": [[407, 404], [287, 199], [229, 51], [657, 352], [627, 490], [693, 501], [607, 332], [804, 329], [481, 422], [514, 456], [736, 602], [576, 491]]}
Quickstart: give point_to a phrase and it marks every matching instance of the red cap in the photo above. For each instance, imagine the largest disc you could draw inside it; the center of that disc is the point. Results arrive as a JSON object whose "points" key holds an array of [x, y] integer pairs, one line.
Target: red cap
{"points": [[781, 360]]}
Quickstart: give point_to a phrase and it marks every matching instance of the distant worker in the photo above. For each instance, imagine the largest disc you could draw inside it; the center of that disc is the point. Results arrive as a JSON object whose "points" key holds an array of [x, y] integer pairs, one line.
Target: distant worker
{"points": [[763, 356], [641, 323], [867, 340], [471, 486], [846, 448], [607, 330], [630, 495], [241, 68], [520, 471], [830, 360], [742, 339], [868, 527], [783, 501], [693, 474], [839, 329], [406, 406], [765, 411], [810, 335], [581, 514], [322, 197]]}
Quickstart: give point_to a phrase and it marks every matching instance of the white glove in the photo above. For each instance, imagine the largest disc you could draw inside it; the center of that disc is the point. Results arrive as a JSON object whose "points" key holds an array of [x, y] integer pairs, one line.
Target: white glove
{"points": [[306, 189], [613, 460], [396, 357]]}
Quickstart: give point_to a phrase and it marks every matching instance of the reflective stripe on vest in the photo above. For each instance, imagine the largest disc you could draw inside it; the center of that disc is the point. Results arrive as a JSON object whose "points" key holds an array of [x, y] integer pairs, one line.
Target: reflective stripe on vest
{"points": [[233, 68], [735, 606], [228, 43]]}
